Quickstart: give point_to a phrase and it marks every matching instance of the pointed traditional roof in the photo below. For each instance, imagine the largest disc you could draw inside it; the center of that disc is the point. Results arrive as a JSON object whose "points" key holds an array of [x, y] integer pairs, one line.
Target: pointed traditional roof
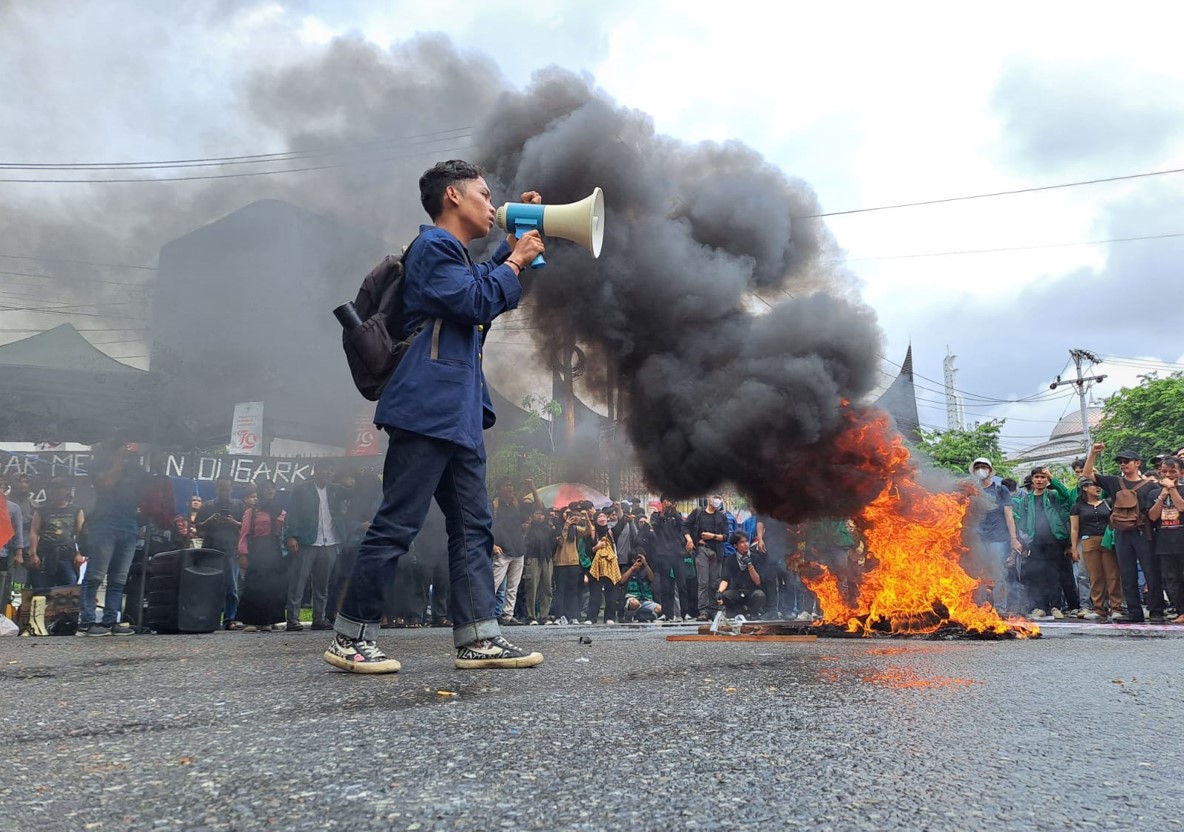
{"points": [[900, 399], [906, 369]]}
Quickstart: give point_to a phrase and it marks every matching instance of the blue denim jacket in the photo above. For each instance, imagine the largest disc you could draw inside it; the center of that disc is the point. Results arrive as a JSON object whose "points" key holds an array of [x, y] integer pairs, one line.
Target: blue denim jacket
{"points": [[439, 388]]}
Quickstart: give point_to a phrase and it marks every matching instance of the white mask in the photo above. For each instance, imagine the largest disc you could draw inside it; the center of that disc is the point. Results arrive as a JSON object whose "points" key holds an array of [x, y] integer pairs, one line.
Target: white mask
{"points": [[983, 474], [717, 504]]}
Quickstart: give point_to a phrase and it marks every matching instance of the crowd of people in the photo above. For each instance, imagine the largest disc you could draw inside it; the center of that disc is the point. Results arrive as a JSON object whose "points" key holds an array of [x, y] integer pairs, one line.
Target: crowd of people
{"points": [[1107, 548], [285, 551], [1104, 548]]}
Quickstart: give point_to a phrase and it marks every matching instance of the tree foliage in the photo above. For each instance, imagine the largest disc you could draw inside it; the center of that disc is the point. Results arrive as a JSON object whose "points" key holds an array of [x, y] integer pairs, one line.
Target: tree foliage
{"points": [[954, 450], [1148, 419], [518, 464], [519, 461]]}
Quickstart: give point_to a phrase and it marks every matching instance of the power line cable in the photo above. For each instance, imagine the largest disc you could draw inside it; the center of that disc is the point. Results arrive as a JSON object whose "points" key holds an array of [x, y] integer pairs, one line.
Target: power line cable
{"points": [[993, 194], [1035, 397], [419, 152], [81, 262], [101, 329], [32, 311], [1141, 363], [283, 155]]}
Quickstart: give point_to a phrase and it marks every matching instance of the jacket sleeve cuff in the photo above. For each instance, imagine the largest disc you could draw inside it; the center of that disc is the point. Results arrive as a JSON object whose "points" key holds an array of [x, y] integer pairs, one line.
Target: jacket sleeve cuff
{"points": [[501, 252]]}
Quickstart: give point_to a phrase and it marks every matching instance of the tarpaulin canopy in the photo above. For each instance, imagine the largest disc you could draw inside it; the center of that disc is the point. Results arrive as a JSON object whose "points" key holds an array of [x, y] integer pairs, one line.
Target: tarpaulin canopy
{"points": [[58, 387]]}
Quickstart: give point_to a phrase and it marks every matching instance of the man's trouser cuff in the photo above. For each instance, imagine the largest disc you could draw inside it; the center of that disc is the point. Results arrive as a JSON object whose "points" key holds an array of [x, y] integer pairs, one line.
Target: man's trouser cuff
{"points": [[357, 630], [477, 631]]}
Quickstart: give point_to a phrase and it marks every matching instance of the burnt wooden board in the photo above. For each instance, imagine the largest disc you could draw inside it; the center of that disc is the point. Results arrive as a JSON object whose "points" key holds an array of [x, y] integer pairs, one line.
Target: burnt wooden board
{"points": [[742, 637], [768, 628]]}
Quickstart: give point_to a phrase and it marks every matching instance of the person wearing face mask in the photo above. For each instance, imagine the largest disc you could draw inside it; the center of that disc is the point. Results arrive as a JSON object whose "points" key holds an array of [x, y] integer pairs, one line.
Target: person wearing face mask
{"points": [[704, 534], [568, 574], [996, 529], [605, 571]]}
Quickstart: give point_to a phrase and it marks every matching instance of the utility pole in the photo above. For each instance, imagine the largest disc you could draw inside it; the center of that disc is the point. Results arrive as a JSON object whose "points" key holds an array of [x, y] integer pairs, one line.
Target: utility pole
{"points": [[1080, 383]]}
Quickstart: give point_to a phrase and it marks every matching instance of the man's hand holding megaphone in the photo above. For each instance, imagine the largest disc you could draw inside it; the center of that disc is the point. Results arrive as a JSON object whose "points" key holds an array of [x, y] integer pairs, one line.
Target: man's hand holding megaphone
{"points": [[523, 250], [581, 222]]}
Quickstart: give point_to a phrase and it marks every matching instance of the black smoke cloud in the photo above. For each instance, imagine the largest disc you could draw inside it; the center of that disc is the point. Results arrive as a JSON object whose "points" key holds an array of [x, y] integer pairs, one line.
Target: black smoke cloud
{"points": [[696, 237], [711, 392]]}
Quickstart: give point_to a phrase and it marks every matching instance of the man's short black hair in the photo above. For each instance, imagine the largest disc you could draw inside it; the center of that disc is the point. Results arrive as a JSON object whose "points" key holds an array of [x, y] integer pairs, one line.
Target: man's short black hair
{"points": [[1078, 463], [737, 537], [435, 182]]}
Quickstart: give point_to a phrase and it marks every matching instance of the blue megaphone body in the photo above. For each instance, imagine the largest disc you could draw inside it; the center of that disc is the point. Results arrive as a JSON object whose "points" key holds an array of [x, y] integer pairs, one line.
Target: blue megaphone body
{"points": [[581, 222]]}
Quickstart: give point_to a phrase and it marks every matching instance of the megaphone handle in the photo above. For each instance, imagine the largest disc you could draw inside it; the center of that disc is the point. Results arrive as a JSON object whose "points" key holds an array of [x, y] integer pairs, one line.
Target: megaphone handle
{"points": [[521, 228]]}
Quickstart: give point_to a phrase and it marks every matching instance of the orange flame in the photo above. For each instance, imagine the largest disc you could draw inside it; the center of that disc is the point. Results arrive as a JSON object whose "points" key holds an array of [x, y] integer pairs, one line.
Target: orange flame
{"points": [[914, 538]]}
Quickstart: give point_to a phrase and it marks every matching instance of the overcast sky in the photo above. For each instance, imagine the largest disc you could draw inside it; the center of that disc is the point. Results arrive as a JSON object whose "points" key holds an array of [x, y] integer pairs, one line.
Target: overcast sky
{"points": [[871, 104]]}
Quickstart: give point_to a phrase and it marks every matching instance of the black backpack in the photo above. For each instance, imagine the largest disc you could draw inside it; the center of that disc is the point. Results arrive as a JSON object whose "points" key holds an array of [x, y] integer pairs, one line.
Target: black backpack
{"points": [[375, 348]]}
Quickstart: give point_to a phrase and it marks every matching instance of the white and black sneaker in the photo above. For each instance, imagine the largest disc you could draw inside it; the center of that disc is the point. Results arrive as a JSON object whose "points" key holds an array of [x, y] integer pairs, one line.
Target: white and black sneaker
{"points": [[493, 653], [359, 656]]}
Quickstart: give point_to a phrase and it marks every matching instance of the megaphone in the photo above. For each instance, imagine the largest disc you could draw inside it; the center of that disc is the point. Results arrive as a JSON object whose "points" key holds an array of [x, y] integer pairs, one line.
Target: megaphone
{"points": [[581, 222]]}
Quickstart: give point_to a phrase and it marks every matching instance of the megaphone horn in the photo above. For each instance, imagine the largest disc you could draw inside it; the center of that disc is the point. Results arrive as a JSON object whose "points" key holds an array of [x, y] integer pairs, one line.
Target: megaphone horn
{"points": [[581, 222]]}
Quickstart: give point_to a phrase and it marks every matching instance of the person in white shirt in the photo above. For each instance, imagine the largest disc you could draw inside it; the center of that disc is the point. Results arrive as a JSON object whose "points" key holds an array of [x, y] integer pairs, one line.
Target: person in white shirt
{"points": [[315, 534]]}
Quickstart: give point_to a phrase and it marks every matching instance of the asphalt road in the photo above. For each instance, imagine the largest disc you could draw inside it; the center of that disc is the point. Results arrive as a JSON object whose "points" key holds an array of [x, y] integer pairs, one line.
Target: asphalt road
{"points": [[235, 731]]}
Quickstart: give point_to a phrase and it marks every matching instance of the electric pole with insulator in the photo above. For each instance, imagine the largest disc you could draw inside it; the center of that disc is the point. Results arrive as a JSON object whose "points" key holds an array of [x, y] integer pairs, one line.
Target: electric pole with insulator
{"points": [[1080, 383]]}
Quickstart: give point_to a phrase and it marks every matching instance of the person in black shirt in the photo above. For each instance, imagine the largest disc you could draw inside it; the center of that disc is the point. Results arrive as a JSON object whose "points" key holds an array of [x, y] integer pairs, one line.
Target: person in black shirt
{"points": [[219, 523], [740, 589], [1133, 547], [1089, 517], [769, 545], [511, 517], [667, 560], [539, 545], [53, 538], [704, 534], [1169, 533]]}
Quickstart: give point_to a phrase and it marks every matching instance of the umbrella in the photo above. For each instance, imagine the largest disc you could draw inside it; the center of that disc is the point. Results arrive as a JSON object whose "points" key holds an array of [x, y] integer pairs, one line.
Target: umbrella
{"points": [[562, 493]]}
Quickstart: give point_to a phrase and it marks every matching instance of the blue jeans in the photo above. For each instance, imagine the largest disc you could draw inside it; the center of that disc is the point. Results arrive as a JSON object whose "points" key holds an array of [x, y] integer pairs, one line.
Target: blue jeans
{"points": [[1135, 551], [230, 610], [416, 469], [108, 555]]}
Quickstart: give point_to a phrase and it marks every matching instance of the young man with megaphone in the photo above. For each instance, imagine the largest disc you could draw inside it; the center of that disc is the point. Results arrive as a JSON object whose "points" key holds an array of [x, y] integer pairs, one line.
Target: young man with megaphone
{"points": [[435, 407]]}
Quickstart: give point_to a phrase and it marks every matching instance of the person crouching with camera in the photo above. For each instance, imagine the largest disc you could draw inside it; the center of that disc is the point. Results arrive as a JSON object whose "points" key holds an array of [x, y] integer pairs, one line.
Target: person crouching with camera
{"points": [[739, 590]]}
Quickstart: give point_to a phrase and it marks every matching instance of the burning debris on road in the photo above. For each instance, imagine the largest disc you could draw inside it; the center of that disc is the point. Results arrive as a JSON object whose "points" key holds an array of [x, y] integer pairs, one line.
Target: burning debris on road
{"points": [[916, 584]]}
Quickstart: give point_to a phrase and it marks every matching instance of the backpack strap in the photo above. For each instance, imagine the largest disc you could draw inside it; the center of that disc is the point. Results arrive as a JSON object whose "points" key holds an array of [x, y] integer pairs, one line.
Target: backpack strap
{"points": [[435, 354]]}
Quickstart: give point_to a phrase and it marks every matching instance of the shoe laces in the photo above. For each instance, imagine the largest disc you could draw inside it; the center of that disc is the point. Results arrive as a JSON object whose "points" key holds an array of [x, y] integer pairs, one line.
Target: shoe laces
{"points": [[367, 648]]}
